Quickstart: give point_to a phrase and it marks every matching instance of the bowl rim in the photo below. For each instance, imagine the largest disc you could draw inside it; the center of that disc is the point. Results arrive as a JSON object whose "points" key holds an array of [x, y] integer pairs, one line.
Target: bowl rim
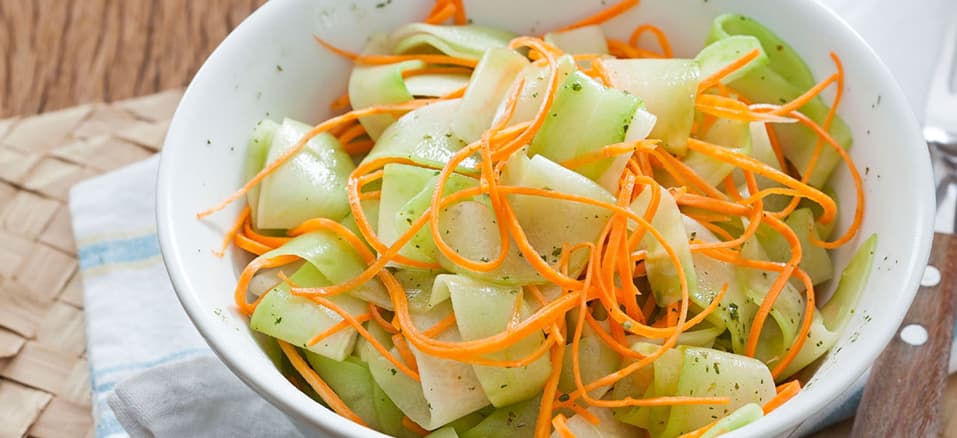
{"points": [[775, 423]]}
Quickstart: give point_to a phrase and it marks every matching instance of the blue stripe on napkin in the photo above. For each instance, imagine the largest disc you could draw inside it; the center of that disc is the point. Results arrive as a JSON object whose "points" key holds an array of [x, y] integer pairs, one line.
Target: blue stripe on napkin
{"points": [[118, 251]]}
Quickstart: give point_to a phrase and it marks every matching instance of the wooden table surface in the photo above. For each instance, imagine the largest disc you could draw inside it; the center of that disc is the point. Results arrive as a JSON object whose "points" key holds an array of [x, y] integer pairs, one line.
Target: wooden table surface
{"points": [[60, 53]]}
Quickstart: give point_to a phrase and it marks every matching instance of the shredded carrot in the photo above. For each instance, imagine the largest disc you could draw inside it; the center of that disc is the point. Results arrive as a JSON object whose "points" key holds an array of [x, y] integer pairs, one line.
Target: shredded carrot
{"points": [[786, 392], [603, 290], [340, 103], [355, 323], [621, 49], [377, 317], [242, 284], [753, 165], [269, 241], [608, 151], [671, 315], [717, 76], [398, 341], [392, 59], [602, 72], [604, 15], [442, 15], [436, 8], [358, 147], [776, 146], [441, 326], [326, 393], [249, 245], [562, 427], [352, 133], [436, 70], [803, 99], [659, 35], [413, 426], [582, 412], [804, 332], [232, 232], [460, 16], [335, 328], [550, 388], [766, 304]]}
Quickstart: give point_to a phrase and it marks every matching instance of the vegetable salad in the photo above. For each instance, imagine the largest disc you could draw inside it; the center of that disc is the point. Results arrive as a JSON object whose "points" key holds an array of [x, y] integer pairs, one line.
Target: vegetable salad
{"points": [[566, 235]]}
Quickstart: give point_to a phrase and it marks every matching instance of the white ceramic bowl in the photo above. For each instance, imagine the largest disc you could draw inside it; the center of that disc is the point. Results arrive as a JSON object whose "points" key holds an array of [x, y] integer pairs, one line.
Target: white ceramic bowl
{"points": [[271, 67]]}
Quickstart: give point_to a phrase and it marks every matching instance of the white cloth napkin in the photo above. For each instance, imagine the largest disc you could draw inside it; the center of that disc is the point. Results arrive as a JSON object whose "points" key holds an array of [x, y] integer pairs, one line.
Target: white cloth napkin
{"points": [[144, 353], [196, 397], [152, 374]]}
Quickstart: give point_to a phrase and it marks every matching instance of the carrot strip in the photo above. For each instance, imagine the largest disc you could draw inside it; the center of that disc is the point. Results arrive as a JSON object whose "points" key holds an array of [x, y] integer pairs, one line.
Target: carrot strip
{"points": [[808, 95], [659, 35], [398, 341], [717, 76], [699, 432], [786, 392], [442, 15], [377, 317], [460, 16], [582, 412], [269, 241], [441, 326], [608, 151], [550, 389], [805, 329], [352, 133], [561, 427], [435, 70], [603, 15], [392, 59], [751, 164], [251, 246], [551, 54], [621, 49], [242, 284], [358, 147], [413, 426], [436, 7], [776, 146], [764, 310], [335, 328], [233, 230], [340, 103], [355, 323], [326, 393]]}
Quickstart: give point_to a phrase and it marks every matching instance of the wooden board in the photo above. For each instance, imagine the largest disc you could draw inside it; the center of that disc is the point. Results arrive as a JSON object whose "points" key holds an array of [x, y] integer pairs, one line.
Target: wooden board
{"points": [[60, 53], [44, 389]]}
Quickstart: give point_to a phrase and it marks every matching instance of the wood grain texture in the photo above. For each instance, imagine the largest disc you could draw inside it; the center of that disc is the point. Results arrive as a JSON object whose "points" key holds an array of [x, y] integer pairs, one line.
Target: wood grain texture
{"points": [[59, 53], [903, 395]]}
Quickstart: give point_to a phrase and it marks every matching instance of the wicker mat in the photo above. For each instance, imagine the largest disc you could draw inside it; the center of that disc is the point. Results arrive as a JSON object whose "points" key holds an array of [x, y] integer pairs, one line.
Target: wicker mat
{"points": [[44, 389]]}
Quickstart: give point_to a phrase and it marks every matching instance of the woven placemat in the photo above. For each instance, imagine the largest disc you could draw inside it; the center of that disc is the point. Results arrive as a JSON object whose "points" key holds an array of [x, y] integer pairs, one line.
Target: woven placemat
{"points": [[44, 386]]}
